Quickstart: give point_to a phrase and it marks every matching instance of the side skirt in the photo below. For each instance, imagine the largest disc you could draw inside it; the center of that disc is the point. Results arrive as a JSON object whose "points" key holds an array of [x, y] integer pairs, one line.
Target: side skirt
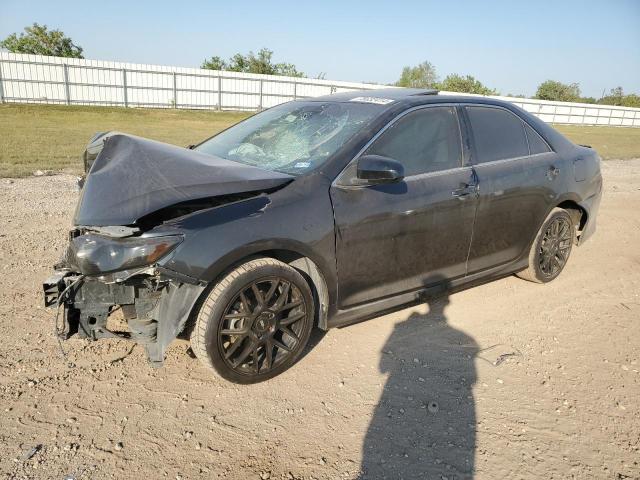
{"points": [[378, 308]]}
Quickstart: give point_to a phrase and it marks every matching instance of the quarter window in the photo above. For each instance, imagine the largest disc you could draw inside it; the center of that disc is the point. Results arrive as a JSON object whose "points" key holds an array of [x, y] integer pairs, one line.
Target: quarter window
{"points": [[426, 140], [536, 143], [497, 134]]}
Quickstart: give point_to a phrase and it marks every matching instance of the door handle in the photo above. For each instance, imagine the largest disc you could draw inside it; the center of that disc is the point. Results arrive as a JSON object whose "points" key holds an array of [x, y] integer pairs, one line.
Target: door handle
{"points": [[465, 189]]}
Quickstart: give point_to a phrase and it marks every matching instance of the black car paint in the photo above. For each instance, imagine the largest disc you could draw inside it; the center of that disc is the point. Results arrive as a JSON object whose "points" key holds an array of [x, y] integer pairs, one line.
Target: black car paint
{"points": [[369, 249]]}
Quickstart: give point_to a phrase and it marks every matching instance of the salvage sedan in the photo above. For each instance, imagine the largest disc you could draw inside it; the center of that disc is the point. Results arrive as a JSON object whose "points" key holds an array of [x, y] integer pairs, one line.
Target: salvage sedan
{"points": [[316, 213]]}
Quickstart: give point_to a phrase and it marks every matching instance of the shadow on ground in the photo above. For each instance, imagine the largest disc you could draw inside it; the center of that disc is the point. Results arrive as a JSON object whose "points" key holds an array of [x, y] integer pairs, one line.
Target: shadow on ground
{"points": [[424, 424]]}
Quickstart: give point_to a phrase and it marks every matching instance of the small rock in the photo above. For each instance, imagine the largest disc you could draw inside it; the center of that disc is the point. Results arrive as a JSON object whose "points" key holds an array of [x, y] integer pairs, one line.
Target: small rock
{"points": [[500, 381], [265, 475], [8, 181], [323, 461], [38, 173], [119, 446], [341, 384], [415, 360], [433, 407], [30, 453]]}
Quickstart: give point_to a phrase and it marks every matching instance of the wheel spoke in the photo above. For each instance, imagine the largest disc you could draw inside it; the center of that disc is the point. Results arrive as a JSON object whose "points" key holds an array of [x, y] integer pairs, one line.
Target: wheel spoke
{"points": [[244, 354], [283, 297], [292, 319], [258, 294], [271, 291], [256, 366], [281, 345], [234, 346], [268, 347], [235, 316], [245, 303], [290, 305], [289, 332], [234, 331]]}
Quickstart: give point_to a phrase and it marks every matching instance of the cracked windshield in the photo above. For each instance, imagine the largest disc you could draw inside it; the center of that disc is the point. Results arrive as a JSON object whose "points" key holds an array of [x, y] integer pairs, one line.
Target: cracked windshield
{"points": [[292, 138]]}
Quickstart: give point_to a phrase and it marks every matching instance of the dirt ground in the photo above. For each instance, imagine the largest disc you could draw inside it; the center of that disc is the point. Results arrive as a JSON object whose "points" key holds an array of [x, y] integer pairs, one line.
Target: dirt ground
{"points": [[507, 380]]}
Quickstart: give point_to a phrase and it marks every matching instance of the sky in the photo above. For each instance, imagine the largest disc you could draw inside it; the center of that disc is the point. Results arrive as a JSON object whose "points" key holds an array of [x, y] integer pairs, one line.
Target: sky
{"points": [[512, 46]]}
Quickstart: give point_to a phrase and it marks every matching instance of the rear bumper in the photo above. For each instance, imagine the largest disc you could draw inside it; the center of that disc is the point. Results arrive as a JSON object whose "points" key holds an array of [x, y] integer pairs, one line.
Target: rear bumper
{"points": [[156, 308]]}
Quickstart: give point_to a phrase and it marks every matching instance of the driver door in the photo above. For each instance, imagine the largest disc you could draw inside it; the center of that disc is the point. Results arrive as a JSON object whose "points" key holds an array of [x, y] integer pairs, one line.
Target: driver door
{"points": [[390, 238]]}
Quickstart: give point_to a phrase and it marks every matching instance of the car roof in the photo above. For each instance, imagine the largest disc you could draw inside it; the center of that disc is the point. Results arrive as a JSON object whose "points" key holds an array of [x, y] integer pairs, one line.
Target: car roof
{"points": [[407, 96]]}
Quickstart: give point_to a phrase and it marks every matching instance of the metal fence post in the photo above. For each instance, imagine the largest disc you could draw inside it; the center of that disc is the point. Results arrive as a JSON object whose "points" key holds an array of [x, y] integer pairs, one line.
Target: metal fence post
{"points": [[260, 98], [175, 91], [67, 92], [219, 93], [124, 87], [1, 88], [295, 90]]}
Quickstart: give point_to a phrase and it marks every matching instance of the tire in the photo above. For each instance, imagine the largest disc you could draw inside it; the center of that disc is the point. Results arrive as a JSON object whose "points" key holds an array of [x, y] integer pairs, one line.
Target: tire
{"points": [[255, 322], [551, 248]]}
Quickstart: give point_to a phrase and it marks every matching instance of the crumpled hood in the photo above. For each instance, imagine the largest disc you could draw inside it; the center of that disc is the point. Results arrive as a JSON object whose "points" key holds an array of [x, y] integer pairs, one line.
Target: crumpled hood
{"points": [[132, 177]]}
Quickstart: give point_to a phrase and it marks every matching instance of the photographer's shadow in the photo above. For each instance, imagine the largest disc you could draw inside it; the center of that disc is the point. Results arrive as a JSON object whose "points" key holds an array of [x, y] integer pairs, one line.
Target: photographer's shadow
{"points": [[424, 424]]}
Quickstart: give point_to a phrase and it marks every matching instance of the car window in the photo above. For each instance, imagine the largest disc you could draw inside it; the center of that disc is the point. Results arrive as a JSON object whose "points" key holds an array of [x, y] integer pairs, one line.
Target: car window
{"points": [[294, 137], [427, 140], [536, 143], [498, 134]]}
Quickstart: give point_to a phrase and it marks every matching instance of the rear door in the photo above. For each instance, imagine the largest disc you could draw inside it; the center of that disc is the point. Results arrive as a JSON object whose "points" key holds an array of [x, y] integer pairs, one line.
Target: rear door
{"points": [[516, 173], [392, 238]]}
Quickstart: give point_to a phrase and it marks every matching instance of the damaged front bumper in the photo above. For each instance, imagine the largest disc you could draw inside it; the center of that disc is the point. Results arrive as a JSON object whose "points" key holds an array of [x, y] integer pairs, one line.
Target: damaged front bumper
{"points": [[155, 303]]}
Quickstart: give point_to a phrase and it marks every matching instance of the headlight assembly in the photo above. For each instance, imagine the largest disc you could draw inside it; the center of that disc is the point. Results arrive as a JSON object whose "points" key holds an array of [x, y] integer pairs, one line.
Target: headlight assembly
{"points": [[95, 254]]}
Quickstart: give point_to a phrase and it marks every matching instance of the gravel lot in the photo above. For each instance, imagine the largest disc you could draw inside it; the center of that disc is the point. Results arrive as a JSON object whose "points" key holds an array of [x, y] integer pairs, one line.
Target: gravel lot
{"points": [[507, 380]]}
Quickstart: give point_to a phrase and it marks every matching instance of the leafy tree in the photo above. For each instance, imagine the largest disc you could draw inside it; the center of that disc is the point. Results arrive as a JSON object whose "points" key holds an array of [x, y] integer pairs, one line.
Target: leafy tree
{"points": [[253, 63], [466, 84], [38, 40], [214, 63], [558, 91], [617, 97], [420, 76]]}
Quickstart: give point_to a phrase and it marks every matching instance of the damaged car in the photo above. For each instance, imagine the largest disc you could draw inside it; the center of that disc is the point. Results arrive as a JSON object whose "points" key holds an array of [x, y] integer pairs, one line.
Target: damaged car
{"points": [[316, 213]]}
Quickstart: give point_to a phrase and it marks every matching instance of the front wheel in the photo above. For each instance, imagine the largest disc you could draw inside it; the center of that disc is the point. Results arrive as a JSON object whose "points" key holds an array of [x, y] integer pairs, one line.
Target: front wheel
{"points": [[255, 322], [551, 248]]}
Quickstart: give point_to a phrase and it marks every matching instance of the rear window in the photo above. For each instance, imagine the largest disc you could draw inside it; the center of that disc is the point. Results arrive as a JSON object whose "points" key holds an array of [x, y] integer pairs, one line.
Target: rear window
{"points": [[498, 134]]}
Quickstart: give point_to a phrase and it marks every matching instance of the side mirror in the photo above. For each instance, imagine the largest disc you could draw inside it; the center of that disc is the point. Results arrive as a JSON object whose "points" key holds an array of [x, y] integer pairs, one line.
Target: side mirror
{"points": [[376, 169]]}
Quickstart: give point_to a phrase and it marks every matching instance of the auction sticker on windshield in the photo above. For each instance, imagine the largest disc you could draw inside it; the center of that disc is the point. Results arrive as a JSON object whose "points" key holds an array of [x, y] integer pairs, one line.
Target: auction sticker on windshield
{"points": [[377, 100]]}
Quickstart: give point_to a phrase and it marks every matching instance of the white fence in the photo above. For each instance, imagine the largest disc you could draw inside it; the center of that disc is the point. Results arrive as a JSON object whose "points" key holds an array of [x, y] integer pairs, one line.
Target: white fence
{"points": [[40, 79]]}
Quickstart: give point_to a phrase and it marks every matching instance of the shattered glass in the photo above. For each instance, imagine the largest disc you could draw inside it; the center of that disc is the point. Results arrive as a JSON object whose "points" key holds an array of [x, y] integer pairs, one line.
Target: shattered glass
{"points": [[292, 138]]}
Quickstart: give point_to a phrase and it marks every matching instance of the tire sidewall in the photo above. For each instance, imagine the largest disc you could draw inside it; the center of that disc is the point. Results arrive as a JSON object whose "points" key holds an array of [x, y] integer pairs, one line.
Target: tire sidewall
{"points": [[228, 294]]}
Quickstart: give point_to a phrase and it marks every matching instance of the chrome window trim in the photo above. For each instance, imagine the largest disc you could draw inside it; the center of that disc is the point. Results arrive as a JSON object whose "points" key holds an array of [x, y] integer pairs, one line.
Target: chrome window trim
{"points": [[395, 119]]}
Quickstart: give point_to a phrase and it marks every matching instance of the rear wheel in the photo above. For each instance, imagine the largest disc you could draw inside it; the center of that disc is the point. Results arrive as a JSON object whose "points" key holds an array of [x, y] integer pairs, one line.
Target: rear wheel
{"points": [[255, 322], [551, 248]]}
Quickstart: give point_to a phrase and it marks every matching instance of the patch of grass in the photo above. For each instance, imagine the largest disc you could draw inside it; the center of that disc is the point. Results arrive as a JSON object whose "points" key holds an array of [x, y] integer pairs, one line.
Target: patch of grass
{"points": [[610, 142], [52, 137]]}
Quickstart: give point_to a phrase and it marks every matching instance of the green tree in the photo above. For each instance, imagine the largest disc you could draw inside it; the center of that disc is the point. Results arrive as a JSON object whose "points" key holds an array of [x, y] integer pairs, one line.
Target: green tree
{"points": [[618, 98], [253, 63], [38, 40], [214, 63], [466, 84], [420, 76], [558, 91]]}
